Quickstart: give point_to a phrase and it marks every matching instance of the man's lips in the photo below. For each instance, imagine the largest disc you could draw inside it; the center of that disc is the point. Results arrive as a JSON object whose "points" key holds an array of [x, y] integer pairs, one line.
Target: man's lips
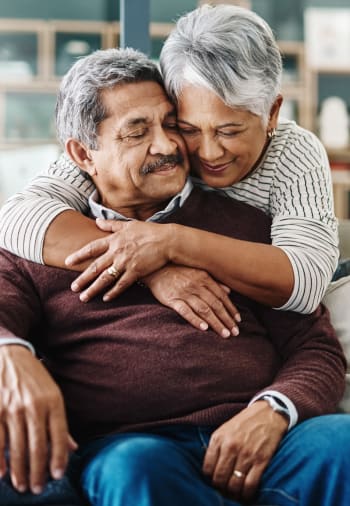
{"points": [[164, 168]]}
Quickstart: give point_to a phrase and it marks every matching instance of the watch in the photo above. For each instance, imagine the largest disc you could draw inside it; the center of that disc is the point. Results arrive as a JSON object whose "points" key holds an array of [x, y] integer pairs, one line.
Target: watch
{"points": [[277, 405]]}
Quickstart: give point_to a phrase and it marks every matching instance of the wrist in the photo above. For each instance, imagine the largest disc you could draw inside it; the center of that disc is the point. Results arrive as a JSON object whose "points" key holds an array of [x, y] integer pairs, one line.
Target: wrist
{"points": [[277, 406], [172, 252]]}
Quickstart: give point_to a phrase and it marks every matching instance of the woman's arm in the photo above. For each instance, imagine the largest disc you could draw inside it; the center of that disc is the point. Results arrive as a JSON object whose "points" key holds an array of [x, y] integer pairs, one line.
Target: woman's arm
{"points": [[260, 271], [25, 217], [304, 224]]}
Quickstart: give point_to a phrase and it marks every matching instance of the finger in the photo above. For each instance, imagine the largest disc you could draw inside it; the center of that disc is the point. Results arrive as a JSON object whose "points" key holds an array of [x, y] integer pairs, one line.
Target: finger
{"points": [[3, 465], [225, 466], [252, 481], [109, 225], [211, 457], [38, 450], [72, 444], [205, 312], [221, 293], [17, 439], [218, 306], [126, 279], [91, 284], [237, 479], [184, 310], [92, 250], [61, 442]]}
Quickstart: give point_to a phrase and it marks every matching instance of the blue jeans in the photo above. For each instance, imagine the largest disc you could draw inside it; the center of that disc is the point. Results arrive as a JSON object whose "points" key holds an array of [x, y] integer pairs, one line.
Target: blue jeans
{"points": [[163, 468], [56, 492]]}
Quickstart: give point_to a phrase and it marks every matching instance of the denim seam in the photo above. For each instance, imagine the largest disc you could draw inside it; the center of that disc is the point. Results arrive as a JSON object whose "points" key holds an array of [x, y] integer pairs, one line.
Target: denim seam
{"points": [[281, 492]]}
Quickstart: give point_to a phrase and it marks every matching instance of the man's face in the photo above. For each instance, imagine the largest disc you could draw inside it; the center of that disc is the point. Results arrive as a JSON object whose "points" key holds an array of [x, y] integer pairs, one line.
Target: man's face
{"points": [[141, 159]]}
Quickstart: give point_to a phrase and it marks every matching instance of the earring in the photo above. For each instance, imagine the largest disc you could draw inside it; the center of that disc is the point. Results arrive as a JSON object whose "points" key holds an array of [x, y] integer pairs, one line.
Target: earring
{"points": [[271, 133]]}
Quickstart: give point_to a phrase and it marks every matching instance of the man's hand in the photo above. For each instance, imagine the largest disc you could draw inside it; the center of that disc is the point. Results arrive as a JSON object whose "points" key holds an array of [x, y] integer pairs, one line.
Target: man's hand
{"points": [[135, 249], [197, 297], [32, 421], [244, 444]]}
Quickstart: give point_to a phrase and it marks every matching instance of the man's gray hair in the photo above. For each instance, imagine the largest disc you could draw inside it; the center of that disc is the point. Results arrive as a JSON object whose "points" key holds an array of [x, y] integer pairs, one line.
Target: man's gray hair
{"points": [[79, 107], [229, 50]]}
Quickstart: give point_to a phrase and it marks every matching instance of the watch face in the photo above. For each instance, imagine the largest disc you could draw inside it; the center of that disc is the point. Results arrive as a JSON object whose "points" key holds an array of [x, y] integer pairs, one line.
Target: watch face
{"points": [[276, 406]]}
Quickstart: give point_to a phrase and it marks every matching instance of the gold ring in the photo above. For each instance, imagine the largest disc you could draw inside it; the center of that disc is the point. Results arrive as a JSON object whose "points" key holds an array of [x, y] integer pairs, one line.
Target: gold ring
{"points": [[112, 271], [238, 474]]}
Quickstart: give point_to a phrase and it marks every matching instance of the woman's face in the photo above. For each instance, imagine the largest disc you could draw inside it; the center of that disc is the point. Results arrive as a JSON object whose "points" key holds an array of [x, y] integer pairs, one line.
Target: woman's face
{"points": [[224, 144]]}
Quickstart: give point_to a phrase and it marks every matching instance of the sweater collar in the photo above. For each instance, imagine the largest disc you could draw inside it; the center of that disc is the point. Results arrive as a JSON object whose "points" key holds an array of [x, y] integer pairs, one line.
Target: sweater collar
{"points": [[97, 210]]}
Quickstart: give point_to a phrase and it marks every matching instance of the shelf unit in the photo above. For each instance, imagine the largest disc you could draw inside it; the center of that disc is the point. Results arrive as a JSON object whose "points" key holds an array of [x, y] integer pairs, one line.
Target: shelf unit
{"points": [[44, 50], [297, 82]]}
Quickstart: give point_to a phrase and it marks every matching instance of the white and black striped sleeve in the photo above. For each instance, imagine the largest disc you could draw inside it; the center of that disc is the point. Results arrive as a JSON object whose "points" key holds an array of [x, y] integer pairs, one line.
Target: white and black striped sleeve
{"points": [[26, 216], [304, 225]]}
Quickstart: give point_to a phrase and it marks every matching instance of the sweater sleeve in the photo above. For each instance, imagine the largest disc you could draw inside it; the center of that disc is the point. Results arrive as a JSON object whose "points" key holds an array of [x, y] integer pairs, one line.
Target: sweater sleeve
{"points": [[26, 216], [20, 308], [313, 366], [304, 224]]}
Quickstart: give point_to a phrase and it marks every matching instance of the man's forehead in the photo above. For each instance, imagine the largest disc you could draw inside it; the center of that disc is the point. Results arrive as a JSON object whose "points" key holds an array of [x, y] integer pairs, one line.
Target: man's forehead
{"points": [[136, 103]]}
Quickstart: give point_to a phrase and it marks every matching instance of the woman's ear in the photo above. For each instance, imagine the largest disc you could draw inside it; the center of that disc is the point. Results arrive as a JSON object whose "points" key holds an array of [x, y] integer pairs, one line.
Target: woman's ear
{"points": [[275, 109], [81, 155]]}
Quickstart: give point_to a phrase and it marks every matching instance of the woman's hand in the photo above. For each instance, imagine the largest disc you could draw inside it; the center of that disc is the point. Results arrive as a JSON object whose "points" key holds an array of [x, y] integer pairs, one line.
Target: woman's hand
{"points": [[134, 250], [195, 296], [240, 450]]}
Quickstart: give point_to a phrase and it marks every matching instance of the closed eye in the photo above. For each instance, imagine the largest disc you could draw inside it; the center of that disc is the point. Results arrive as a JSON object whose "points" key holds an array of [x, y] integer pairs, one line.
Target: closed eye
{"points": [[187, 131]]}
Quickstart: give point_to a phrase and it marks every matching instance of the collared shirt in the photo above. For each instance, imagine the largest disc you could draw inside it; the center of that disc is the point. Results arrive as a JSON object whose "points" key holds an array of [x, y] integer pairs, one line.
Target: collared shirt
{"points": [[100, 211]]}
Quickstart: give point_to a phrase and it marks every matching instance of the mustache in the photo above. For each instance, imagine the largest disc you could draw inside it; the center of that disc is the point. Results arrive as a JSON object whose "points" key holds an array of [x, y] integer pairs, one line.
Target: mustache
{"points": [[175, 159]]}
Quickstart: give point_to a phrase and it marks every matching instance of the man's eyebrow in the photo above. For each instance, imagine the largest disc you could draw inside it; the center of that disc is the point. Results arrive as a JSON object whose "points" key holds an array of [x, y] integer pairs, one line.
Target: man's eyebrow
{"points": [[135, 122]]}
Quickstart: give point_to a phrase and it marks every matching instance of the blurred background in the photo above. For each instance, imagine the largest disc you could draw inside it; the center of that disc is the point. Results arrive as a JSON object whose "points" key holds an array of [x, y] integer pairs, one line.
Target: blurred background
{"points": [[40, 39]]}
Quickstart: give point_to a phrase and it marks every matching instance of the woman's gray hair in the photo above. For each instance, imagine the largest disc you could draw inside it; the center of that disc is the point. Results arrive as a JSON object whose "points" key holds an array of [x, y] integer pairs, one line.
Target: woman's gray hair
{"points": [[229, 50], [79, 107]]}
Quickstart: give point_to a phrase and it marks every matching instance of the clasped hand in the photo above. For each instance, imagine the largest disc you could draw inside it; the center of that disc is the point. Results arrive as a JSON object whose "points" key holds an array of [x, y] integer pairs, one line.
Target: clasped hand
{"points": [[137, 250]]}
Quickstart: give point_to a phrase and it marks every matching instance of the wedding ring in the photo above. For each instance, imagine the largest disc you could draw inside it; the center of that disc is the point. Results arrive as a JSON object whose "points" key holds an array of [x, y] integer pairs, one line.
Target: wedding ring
{"points": [[112, 271], [238, 474]]}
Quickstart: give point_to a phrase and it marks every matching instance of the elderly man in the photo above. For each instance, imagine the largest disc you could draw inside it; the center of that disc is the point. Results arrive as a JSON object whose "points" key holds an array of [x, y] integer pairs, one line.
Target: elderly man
{"points": [[164, 413]]}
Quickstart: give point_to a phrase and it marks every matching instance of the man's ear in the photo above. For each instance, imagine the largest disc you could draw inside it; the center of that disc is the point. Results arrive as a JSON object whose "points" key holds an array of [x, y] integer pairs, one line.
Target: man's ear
{"points": [[81, 155]]}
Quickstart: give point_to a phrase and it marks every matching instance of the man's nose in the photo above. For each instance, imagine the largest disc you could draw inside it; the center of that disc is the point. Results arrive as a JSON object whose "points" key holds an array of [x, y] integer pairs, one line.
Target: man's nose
{"points": [[162, 143]]}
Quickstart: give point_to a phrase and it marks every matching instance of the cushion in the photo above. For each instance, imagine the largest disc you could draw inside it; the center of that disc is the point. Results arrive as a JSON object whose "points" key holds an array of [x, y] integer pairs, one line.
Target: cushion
{"points": [[337, 300]]}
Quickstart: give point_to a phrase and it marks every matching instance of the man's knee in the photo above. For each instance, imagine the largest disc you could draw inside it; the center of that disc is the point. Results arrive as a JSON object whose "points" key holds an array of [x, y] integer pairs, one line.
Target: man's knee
{"points": [[323, 434], [128, 460]]}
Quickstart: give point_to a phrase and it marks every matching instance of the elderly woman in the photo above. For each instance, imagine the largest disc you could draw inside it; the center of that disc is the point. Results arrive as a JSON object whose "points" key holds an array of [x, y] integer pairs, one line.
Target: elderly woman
{"points": [[222, 68]]}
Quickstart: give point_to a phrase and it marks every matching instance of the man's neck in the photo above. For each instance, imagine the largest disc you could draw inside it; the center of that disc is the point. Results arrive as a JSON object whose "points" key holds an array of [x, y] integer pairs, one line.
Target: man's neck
{"points": [[154, 211], [138, 211]]}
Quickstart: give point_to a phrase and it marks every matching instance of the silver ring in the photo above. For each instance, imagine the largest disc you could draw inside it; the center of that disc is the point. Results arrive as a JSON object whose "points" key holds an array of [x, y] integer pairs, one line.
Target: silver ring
{"points": [[112, 271], [238, 474]]}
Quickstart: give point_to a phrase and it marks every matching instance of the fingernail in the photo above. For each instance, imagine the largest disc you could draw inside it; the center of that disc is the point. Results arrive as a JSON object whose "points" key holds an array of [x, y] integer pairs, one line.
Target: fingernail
{"points": [[37, 489], [106, 298], [225, 333], [238, 318], [203, 326], [21, 488], [57, 474], [235, 331], [83, 297], [74, 287]]}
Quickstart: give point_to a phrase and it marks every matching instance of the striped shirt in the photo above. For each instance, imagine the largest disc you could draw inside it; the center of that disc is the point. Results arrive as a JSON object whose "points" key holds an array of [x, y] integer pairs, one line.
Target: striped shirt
{"points": [[292, 185]]}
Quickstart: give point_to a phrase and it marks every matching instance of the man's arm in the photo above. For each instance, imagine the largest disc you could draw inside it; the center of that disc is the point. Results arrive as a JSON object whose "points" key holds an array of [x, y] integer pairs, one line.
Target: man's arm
{"points": [[33, 423], [312, 376]]}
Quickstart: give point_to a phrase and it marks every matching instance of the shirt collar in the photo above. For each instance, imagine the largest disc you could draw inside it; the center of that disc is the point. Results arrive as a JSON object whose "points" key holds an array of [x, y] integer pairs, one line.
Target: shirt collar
{"points": [[99, 211]]}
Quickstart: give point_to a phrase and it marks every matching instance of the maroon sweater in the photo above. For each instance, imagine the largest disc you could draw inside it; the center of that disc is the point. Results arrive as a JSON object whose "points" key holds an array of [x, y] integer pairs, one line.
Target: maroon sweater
{"points": [[133, 363]]}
